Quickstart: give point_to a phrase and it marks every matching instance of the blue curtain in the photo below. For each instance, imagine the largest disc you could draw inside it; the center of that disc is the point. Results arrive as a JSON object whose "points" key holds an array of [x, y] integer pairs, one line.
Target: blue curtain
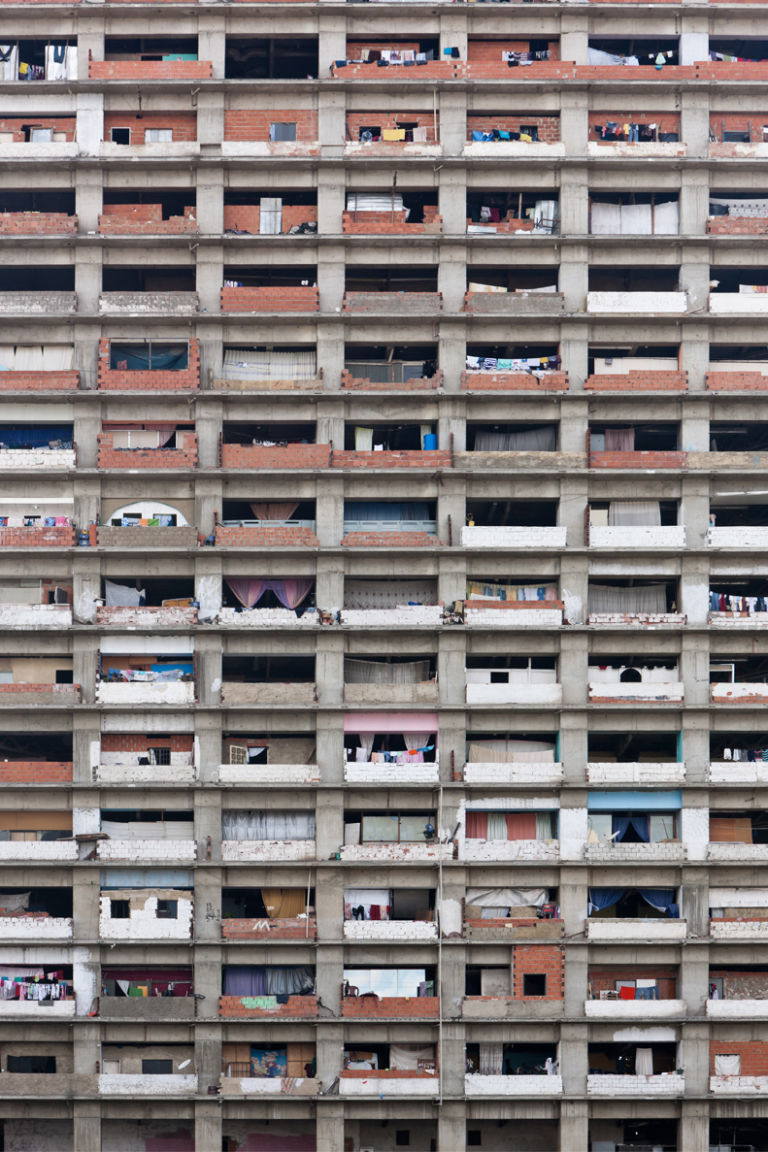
{"points": [[642, 827], [601, 898], [242, 981], [19, 436], [619, 824], [386, 510], [662, 899], [622, 824]]}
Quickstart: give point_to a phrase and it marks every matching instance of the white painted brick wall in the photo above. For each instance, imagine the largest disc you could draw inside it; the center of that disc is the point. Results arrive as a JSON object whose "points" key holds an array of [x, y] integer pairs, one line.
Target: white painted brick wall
{"points": [[544, 850], [386, 774], [514, 693], [553, 536], [617, 1010], [145, 617], [635, 303], [743, 536], [638, 536], [38, 850], [126, 1084], [726, 620], [610, 1085], [725, 693], [646, 618], [737, 853], [35, 616], [32, 1008], [671, 690], [268, 850], [145, 774], [141, 851], [416, 615], [738, 772], [530, 1086], [634, 853], [738, 1085], [694, 832], [395, 852], [737, 1009], [401, 1086], [38, 928], [729, 303], [128, 694], [383, 930], [268, 618], [635, 773], [258, 774], [143, 923], [738, 929], [495, 773], [512, 617], [634, 931]]}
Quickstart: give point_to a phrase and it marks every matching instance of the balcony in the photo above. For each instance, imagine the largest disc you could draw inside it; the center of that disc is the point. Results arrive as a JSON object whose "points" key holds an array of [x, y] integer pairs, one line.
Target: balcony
{"points": [[140, 379], [35, 927], [149, 303], [637, 380], [272, 850], [267, 618], [517, 773], [660, 852], [742, 930], [242, 693], [183, 457], [738, 1085], [737, 853], [486, 1008], [266, 534], [738, 772], [260, 774], [638, 772], [166, 69], [42, 1010], [128, 694], [631, 930], [35, 772], [373, 1007], [267, 1007], [38, 303], [386, 931], [39, 695], [514, 303], [139, 851], [147, 1009], [638, 303], [514, 381], [521, 537], [270, 298], [238, 1081], [739, 536], [738, 303], [745, 693], [147, 219], [140, 536], [37, 224], [391, 853], [637, 536], [388, 774], [404, 694], [378, 1083], [46, 459], [514, 692], [393, 303], [531, 1087], [279, 456], [748, 1009], [126, 1084], [37, 536], [39, 380], [35, 617], [404, 616], [613, 692], [285, 928], [544, 851], [513, 613], [616, 1085], [171, 613], [509, 928], [38, 851], [618, 1010]]}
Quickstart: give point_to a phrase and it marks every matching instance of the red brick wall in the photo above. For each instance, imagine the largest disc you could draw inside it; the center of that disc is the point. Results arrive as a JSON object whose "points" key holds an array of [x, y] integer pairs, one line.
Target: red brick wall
{"points": [[548, 126], [57, 123], [247, 217], [150, 70], [141, 742], [292, 456], [253, 537], [269, 298], [37, 223], [737, 226], [637, 459], [128, 380], [231, 1007], [389, 540], [391, 1007], [604, 979], [666, 121], [184, 125], [35, 772], [424, 119], [754, 1055], [185, 456], [736, 382], [443, 69], [539, 70], [414, 459], [144, 220], [56, 537], [514, 382], [637, 382], [537, 959], [289, 929], [254, 125], [416, 384], [38, 381], [489, 51]]}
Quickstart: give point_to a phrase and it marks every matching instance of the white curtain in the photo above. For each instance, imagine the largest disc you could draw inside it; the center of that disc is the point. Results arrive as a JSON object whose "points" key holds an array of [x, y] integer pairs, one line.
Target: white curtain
{"points": [[491, 1058], [666, 218], [265, 364], [366, 746], [405, 1057], [630, 512], [544, 826], [644, 1062], [507, 897], [497, 826], [373, 672], [728, 1065], [9, 65], [510, 752], [250, 825], [61, 62], [636, 220], [122, 595], [531, 440], [414, 741], [148, 829], [641, 598]]}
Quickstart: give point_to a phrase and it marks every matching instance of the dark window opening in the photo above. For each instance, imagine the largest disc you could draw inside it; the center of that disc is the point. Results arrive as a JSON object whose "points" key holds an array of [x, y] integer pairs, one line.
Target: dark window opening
{"points": [[34, 200], [512, 513], [634, 438], [417, 278], [634, 279], [270, 276], [119, 909], [32, 1065], [534, 984], [607, 358], [269, 434], [262, 513], [120, 135], [172, 202], [389, 437], [390, 363], [271, 58], [518, 278], [167, 910], [269, 669], [157, 1067], [150, 48], [52, 278], [645, 48], [158, 279], [512, 437]]}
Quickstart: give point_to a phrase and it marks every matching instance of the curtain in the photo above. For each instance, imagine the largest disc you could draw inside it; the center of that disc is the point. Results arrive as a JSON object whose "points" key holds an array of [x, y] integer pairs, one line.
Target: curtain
{"points": [[248, 592], [724, 829], [622, 824], [406, 1057], [519, 826], [123, 595], [284, 903], [374, 672], [241, 981], [265, 364], [727, 1065], [662, 899], [510, 752], [640, 598], [413, 742], [366, 746], [491, 1055], [628, 512], [507, 897], [251, 825], [545, 826], [477, 825], [273, 509], [290, 592], [619, 439], [644, 1062], [531, 440], [260, 981], [601, 898], [497, 828], [394, 510]]}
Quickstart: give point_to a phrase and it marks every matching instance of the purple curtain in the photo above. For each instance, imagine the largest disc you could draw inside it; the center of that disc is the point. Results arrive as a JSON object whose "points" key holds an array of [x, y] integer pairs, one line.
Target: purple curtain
{"points": [[240, 981], [248, 592], [290, 592]]}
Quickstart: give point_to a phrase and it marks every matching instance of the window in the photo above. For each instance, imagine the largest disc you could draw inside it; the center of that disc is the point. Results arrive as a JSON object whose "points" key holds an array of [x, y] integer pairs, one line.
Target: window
{"points": [[157, 1067], [167, 909], [402, 1138], [119, 909], [37, 1065], [158, 135], [474, 1138], [64, 676], [282, 132], [120, 135], [499, 677], [534, 984], [733, 137], [160, 755], [41, 135], [397, 828]]}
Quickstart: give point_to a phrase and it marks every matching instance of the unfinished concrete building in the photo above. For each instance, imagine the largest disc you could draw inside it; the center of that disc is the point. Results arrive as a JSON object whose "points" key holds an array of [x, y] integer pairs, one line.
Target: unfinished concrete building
{"points": [[383, 576]]}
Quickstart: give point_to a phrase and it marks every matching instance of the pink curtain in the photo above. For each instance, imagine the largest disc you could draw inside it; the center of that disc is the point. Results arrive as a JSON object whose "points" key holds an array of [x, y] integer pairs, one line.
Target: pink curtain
{"points": [[477, 825], [274, 509], [521, 825], [619, 439], [290, 593], [248, 592]]}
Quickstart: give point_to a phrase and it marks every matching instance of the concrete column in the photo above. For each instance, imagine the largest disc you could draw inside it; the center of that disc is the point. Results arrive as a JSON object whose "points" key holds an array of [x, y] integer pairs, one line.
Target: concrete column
{"points": [[693, 984], [208, 669], [574, 343], [573, 746], [208, 584], [694, 359], [694, 512], [208, 908], [329, 669], [451, 357], [574, 1125], [693, 1056], [574, 1059], [207, 816], [452, 744], [85, 903], [572, 505], [452, 125], [208, 736], [453, 31], [207, 961], [573, 900], [88, 279], [576, 975], [85, 734], [451, 1127], [696, 747], [90, 42], [329, 583], [332, 121], [208, 1061], [574, 278], [694, 123], [695, 277], [329, 1125], [87, 426], [85, 660], [331, 200], [331, 41], [208, 1119], [330, 823], [210, 133], [574, 583], [453, 201], [86, 585], [574, 37], [330, 354], [330, 749], [211, 42], [210, 277], [693, 598], [451, 669], [451, 511], [695, 900], [86, 1124], [694, 39], [331, 277], [572, 671], [452, 278], [88, 199], [451, 1058], [693, 1129], [694, 203], [452, 579], [574, 182], [574, 425], [328, 977], [209, 504], [210, 201], [329, 903], [694, 669]]}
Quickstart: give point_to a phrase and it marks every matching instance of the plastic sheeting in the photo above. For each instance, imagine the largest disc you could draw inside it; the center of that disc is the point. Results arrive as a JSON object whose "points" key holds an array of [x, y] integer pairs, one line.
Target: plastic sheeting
{"points": [[507, 897], [267, 364], [250, 825], [611, 219], [36, 357], [123, 595], [148, 829]]}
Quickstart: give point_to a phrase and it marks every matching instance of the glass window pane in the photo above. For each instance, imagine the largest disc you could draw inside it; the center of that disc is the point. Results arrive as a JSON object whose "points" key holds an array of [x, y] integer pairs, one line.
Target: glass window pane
{"points": [[379, 828]]}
